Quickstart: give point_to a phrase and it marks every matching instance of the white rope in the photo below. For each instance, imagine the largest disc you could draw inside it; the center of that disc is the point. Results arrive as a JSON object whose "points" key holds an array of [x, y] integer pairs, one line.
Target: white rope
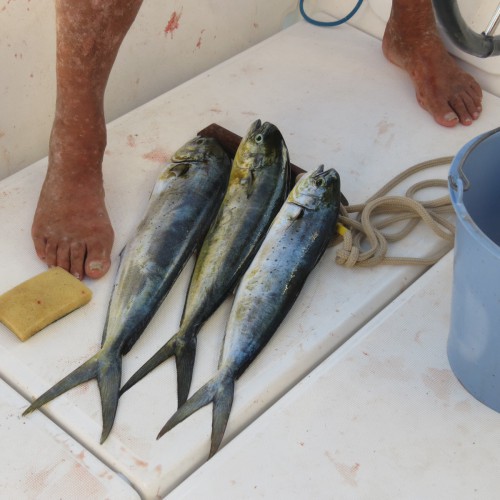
{"points": [[388, 210]]}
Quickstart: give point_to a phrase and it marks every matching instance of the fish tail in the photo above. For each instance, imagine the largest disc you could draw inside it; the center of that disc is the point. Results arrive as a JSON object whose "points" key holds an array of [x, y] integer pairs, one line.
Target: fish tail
{"points": [[158, 358], [220, 414], [184, 358], [108, 379], [82, 374], [183, 346], [105, 366], [220, 392]]}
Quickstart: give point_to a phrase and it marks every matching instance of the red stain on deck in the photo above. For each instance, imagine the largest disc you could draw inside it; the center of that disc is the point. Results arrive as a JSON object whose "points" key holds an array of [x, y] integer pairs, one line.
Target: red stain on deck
{"points": [[140, 463], [173, 23], [198, 44], [131, 141], [158, 155]]}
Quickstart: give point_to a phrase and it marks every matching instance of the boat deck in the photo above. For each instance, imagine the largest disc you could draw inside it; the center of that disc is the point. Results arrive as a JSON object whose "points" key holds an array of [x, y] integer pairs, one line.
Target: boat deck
{"points": [[352, 398]]}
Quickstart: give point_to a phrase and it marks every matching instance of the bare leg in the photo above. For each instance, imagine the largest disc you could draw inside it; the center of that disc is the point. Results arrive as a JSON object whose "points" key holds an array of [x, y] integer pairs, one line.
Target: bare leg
{"points": [[71, 227], [412, 42]]}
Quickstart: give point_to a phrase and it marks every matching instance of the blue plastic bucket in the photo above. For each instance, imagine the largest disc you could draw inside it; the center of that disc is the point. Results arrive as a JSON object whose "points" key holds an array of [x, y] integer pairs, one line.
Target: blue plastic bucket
{"points": [[474, 338]]}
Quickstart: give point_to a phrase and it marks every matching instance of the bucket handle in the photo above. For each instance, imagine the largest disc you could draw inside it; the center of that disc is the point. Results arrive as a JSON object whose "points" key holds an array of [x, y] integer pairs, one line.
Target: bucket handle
{"points": [[461, 174]]}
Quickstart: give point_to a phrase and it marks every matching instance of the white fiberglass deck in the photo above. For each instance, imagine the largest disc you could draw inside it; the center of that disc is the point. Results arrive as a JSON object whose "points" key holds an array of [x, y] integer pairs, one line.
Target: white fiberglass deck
{"points": [[382, 417], [336, 101]]}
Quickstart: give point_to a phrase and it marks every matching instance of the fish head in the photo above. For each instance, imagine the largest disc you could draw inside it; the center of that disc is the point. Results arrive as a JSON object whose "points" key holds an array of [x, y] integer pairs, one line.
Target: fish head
{"points": [[318, 188], [262, 146], [198, 150], [261, 158]]}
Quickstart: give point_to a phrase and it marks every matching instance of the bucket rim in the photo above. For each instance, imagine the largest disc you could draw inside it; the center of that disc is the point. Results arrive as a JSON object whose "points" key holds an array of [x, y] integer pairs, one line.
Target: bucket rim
{"points": [[458, 183]]}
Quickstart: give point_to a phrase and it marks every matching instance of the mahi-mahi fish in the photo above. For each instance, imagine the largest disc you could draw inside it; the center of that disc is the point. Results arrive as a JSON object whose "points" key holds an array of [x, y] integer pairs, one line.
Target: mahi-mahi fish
{"points": [[294, 244], [258, 187], [183, 204]]}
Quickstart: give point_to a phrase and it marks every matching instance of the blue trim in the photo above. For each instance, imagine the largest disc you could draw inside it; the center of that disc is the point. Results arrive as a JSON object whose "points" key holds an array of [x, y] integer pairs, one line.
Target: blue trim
{"points": [[328, 23]]}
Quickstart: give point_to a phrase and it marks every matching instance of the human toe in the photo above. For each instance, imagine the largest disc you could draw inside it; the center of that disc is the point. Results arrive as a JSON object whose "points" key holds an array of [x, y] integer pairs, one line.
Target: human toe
{"points": [[464, 107], [98, 261], [40, 244], [63, 255], [51, 253], [77, 259], [96, 268]]}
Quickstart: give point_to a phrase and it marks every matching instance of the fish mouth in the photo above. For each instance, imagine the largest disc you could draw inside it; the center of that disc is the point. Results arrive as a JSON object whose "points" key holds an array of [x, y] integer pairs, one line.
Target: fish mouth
{"points": [[262, 129], [320, 172], [254, 127]]}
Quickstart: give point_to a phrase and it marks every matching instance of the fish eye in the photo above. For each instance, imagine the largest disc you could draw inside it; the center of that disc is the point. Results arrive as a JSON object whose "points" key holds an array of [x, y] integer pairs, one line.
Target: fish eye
{"points": [[259, 138], [320, 182]]}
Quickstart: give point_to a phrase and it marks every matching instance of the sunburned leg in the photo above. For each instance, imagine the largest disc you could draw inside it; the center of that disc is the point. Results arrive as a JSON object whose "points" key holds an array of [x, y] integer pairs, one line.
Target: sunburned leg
{"points": [[412, 42], [71, 227]]}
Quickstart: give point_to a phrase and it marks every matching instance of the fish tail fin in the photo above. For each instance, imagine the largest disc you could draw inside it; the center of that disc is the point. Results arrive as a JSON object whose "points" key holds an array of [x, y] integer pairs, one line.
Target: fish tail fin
{"points": [[82, 374], [220, 392], [105, 366], [108, 379], [223, 402], [184, 358], [183, 346], [157, 359]]}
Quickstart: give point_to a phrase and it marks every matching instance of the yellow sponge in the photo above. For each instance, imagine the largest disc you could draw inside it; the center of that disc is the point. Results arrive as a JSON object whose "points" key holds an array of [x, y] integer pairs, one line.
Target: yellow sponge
{"points": [[41, 300]]}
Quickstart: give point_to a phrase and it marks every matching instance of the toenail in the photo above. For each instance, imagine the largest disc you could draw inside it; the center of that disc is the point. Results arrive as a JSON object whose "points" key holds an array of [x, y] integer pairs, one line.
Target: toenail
{"points": [[450, 117], [76, 275], [96, 266]]}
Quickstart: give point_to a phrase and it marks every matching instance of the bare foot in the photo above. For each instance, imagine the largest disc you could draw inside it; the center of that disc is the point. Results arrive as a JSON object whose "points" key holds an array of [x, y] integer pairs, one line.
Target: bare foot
{"points": [[71, 227], [442, 88]]}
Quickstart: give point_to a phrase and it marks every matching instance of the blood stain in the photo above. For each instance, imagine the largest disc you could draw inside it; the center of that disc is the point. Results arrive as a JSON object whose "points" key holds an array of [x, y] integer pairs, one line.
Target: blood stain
{"points": [[173, 24]]}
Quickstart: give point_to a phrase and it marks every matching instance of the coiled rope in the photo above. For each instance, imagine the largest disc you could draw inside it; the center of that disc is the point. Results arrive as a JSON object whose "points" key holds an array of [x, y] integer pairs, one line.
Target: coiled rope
{"points": [[382, 211]]}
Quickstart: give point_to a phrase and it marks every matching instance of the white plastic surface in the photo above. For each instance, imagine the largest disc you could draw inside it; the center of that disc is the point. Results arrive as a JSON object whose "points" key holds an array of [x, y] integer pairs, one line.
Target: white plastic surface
{"points": [[383, 417], [337, 101], [40, 461]]}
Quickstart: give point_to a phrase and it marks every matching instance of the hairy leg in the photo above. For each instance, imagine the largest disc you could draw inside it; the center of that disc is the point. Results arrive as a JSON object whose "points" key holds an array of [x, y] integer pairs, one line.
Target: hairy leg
{"points": [[412, 42], [71, 227]]}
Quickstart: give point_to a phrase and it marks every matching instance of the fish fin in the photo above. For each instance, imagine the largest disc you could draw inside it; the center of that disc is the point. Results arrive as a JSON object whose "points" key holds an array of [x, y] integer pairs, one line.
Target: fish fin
{"points": [[165, 352], [251, 183], [105, 366], [201, 398], [296, 213], [179, 169], [185, 355], [220, 392], [108, 380], [184, 351], [223, 402], [82, 374]]}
